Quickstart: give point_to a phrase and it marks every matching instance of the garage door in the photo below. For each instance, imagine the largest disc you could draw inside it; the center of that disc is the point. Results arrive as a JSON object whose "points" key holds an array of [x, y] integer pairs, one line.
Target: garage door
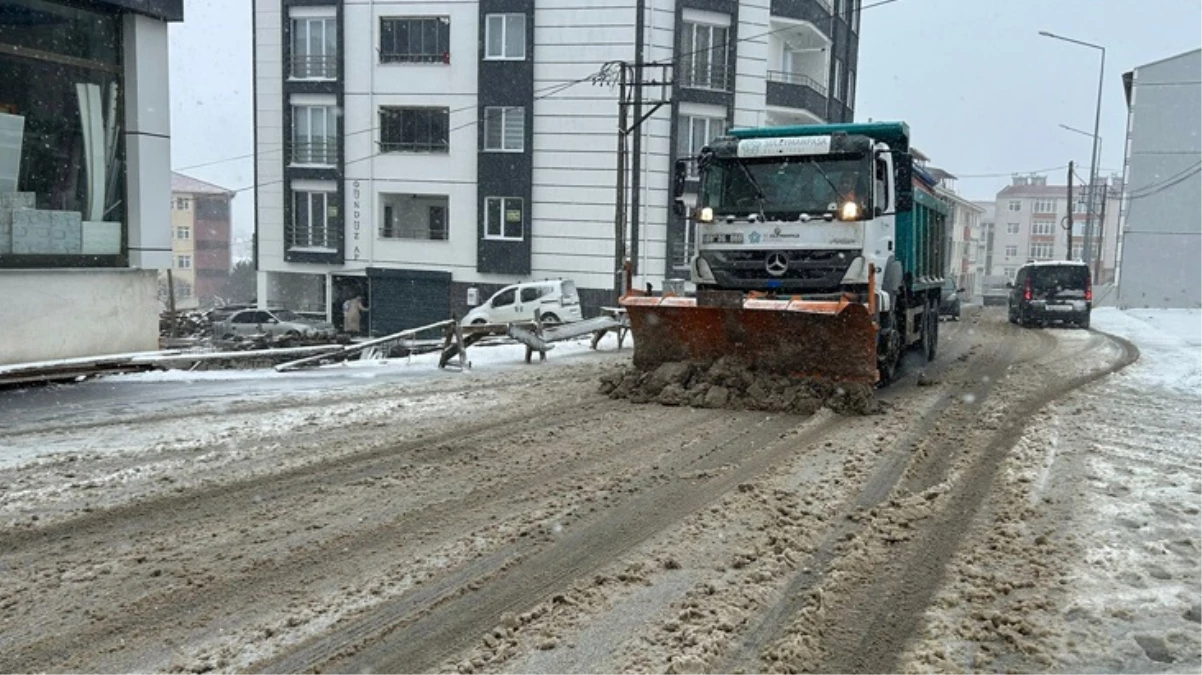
{"points": [[403, 299]]}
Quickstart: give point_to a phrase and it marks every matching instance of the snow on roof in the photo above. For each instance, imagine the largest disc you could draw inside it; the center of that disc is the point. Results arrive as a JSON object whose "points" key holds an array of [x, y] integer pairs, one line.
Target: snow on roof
{"points": [[190, 185], [1048, 263]]}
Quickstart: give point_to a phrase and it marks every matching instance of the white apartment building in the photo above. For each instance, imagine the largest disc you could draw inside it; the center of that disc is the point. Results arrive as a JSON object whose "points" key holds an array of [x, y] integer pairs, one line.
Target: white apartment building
{"points": [[965, 236], [410, 151], [1030, 224]]}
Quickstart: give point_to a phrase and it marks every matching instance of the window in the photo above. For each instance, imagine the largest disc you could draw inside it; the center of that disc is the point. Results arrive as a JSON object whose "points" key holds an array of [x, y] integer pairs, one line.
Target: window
{"points": [[183, 233], [694, 134], [505, 37], [704, 56], [851, 88], [1041, 250], [414, 217], [503, 218], [1043, 227], [1045, 206], [62, 164], [838, 80], [415, 39], [314, 135], [1011, 228], [855, 17], [1016, 205], [1012, 251], [183, 262], [531, 293], [1079, 207], [1076, 252], [182, 204], [314, 48], [311, 229], [504, 129], [414, 129], [505, 298]]}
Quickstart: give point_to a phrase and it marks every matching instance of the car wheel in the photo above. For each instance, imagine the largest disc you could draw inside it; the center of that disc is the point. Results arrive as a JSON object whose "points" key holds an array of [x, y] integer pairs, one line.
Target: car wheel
{"points": [[1084, 323], [550, 319], [479, 322]]}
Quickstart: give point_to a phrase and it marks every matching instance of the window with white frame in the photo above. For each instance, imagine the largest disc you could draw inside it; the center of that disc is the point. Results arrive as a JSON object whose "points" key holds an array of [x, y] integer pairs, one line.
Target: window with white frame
{"points": [[314, 134], [695, 133], [505, 37], [415, 129], [1041, 250], [504, 129], [1012, 228], [1077, 249], [504, 218], [1045, 206], [704, 52], [183, 262], [851, 88], [314, 48], [311, 216], [182, 204], [415, 39], [1009, 272], [183, 233], [838, 80], [1012, 251], [1016, 205], [1043, 227]]}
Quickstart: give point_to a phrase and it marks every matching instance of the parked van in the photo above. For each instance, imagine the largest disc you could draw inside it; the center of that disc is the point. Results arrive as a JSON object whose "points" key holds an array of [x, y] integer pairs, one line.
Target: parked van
{"points": [[1051, 291], [556, 300]]}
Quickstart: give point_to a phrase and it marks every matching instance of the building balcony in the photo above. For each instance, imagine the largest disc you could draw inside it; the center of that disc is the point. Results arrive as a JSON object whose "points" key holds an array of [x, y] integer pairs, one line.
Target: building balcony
{"points": [[797, 92], [315, 153], [710, 76], [314, 67], [817, 12]]}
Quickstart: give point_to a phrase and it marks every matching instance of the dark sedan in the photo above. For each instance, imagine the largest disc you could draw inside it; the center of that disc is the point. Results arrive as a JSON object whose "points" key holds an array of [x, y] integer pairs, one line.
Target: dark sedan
{"points": [[949, 300]]}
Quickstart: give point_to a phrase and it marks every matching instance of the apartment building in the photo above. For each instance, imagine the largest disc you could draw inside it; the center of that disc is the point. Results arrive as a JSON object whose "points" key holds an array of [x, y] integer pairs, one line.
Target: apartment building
{"points": [[1161, 261], [965, 236], [449, 147], [1030, 224], [200, 241]]}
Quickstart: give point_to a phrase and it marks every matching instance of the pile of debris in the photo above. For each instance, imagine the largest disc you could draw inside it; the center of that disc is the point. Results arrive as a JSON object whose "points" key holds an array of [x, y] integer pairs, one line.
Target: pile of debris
{"points": [[192, 323], [731, 384]]}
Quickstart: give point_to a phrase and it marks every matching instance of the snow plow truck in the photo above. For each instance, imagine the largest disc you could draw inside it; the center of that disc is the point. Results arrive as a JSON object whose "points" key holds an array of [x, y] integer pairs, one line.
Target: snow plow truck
{"points": [[818, 253]]}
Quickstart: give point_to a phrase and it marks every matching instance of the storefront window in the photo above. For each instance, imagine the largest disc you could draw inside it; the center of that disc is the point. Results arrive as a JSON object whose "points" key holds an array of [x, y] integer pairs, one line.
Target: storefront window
{"points": [[62, 168]]}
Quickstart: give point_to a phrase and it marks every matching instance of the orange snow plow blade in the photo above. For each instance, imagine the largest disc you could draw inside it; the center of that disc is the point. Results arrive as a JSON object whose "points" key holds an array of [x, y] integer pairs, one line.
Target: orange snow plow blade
{"points": [[833, 340]]}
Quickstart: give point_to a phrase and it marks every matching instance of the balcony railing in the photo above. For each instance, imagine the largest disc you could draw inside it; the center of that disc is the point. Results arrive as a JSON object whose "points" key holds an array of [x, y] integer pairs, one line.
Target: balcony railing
{"points": [[314, 66], [788, 77], [322, 152], [711, 76]]}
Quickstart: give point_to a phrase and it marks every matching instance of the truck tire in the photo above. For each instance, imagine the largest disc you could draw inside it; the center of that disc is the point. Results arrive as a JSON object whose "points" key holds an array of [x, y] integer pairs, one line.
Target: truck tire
{"points": [[889, 350], [930, 335]]}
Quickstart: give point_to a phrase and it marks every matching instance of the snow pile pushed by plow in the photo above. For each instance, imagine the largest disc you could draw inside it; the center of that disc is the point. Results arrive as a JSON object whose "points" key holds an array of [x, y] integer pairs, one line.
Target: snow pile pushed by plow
{"points": [[731, 384]]}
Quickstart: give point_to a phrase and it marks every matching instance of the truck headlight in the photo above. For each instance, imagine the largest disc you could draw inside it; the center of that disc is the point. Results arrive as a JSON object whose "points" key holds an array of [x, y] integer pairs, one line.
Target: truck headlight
{"points": [[849, 211], [705, 215]]}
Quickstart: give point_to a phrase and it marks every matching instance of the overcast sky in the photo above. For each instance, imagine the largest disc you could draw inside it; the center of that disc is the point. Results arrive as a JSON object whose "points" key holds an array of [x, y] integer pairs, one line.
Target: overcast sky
{"points": [[982, 91]]}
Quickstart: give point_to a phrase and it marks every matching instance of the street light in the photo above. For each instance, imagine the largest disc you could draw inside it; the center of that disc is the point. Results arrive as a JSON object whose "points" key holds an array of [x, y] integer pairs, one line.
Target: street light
{"points": [[1078, 131], [1093, 162]]}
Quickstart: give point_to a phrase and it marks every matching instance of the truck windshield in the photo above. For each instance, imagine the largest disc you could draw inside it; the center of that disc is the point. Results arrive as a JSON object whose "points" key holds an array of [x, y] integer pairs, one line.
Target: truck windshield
{"points": [[791, 186]]}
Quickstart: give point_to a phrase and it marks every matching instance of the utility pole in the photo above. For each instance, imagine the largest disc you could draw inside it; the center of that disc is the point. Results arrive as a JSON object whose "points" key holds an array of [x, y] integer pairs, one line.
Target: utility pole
{"points": [[1101, 234], [629, 79], [1068, 252]]}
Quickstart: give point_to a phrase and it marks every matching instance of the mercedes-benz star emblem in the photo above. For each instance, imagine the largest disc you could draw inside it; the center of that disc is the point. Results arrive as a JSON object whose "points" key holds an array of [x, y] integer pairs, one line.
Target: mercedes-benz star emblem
{"points": [[776, 264]]}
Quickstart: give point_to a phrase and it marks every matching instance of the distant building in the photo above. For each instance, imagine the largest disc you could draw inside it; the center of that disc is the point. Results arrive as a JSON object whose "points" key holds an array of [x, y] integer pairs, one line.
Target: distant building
{"points": [[85, 165], [1162, 194], [1029, 224], [414, 151], [200, 241], [988, 210], [964, 235]]}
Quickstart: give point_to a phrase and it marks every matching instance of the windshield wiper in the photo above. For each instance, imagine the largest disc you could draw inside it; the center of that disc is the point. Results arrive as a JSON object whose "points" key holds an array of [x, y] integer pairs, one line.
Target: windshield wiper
{"points": [[759, 192], [828, 180]]}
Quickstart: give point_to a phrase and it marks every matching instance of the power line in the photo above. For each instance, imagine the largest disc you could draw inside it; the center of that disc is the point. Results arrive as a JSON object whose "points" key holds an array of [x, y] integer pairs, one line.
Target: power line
{"points": [[1154, 189]]}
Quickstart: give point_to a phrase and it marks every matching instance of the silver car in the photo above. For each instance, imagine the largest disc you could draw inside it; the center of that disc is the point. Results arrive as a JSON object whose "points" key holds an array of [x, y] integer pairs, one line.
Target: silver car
{"points": [[273, 322]]}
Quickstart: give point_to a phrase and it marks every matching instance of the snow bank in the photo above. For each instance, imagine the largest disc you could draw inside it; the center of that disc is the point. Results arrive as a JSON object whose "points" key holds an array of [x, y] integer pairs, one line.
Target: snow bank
{"points": [[1169, 342]]}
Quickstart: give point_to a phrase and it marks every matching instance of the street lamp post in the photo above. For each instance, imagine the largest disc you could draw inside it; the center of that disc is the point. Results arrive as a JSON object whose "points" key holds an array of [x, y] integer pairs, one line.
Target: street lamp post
{"points": [[1094, 208], [1093, 162]]}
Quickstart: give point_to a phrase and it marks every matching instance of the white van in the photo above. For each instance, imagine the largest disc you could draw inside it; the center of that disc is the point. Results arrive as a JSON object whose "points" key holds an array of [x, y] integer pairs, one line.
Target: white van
{"points": [[556, 300]]}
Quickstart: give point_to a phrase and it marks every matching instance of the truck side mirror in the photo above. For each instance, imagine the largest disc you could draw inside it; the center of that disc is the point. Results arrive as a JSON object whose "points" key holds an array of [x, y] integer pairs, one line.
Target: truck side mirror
{"points": [[680, 173]]}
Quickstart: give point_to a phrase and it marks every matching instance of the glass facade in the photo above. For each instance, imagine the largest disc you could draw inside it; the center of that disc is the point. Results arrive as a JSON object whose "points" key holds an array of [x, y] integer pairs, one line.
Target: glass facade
{"points": [[62, 159]]}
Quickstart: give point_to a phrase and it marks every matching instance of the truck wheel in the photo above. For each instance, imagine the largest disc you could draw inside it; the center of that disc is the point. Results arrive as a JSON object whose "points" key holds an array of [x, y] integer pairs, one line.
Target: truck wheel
{"points": [[930, 336], [888, 351]]}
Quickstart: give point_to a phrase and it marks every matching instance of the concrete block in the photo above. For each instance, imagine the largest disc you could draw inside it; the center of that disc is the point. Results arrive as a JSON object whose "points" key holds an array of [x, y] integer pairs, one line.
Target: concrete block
{"points": [[101, 237], [47, 232], [18, 200]]}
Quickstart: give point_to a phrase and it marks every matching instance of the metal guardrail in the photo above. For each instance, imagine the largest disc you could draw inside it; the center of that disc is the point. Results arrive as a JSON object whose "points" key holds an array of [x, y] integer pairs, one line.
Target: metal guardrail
{"points": [[315, 67], [315, 153], [786, 77]]}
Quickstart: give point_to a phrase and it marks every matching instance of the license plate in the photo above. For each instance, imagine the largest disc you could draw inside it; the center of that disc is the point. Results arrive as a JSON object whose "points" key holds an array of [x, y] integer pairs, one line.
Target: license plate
{"points": [[1060, 308]]}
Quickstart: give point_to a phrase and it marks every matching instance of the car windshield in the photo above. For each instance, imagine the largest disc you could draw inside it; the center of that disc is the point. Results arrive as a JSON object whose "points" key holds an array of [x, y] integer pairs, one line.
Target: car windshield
{"points": [[790, 185]]}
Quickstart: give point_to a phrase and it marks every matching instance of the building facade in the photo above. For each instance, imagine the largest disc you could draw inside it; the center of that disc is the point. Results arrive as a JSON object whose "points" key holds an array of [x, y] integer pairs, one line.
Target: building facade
{"points": [[84, 175], [965, 236], [1030, 222], [1161, 262], [200, 241], [473, 144]]}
